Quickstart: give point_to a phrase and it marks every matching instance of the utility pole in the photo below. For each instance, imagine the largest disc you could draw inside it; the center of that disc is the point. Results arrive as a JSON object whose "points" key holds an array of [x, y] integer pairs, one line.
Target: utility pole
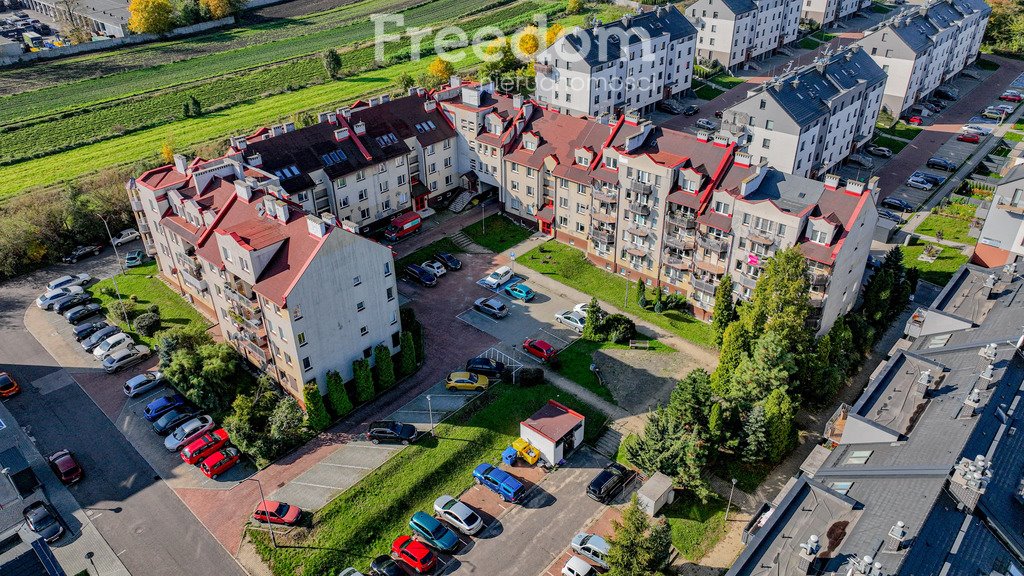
{"points": [[729, 505], [263, 502]]}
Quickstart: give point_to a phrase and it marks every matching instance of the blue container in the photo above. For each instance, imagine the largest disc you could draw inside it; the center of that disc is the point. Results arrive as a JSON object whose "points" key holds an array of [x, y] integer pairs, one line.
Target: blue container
{"points": [[509, 455]]}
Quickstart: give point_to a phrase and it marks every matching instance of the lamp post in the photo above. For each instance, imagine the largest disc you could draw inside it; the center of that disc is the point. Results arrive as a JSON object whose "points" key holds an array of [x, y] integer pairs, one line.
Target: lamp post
{"points": [[114, 279], [263, 501], [729, 505], [515, 360], [88, 556], [483, 219], [512, 255], [430, 413]]}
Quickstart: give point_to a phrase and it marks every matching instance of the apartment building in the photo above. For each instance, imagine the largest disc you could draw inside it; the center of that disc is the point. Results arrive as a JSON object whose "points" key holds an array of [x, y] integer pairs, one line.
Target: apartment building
{"points": [[629, 64], [365, 163], [1001, 240], [295, 293], [828, 12], [923, 46], [733, 32], [809, 120], [923, 473]]}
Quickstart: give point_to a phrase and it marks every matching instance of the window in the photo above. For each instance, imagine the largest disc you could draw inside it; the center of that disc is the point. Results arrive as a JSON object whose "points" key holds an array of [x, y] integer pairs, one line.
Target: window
{"points": [[344, 202], [390, 293], [227, 254], [448, 162], [360, 176], [360, 306], [296, 312], [819, 236], [400, 161], [362, 195], [306, 364], [859, 457], [382, 168], [364, 331], [721, 207], [563, 221], [387, 269], [766, 143], [762, 104], [841, 487], [301, 338], [769, 124], [367, 352], [357, 281], [401, 179], [529, 190], [433, 168], [515, 167], [364, 213], [394, 318]]}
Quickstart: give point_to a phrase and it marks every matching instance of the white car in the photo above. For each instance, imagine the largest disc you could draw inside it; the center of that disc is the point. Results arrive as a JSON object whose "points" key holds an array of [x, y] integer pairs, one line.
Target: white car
{"points": [[126, 236], [454, 512], [116, 342], [434, 266], [1008, 108], [124, 358], [919, 183], [706, 124], [593, 547], [577, 566], [188, 432], [142, 383], [350, 572], [498, 277], [69, 280], [572, 319], [976, 129], [48, 299]]}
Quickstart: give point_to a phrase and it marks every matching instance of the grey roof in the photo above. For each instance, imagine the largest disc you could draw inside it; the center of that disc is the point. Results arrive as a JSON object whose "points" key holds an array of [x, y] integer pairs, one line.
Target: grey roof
{"points": [[791, 193], [740, 6], [655, 23], [916, 32]]}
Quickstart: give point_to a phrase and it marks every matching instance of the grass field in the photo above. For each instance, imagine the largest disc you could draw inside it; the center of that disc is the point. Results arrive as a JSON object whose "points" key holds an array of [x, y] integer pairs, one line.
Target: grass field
{"points": [[938, 272], [142, 283], [497, 233], [362, 522], [575, 360], [748, 475], [808, 43], [570, 267], [900, 130], [952, 229], [1013, 136], [727, 81], [696, 526], [427, 252], [890, 143], [706, 92]]}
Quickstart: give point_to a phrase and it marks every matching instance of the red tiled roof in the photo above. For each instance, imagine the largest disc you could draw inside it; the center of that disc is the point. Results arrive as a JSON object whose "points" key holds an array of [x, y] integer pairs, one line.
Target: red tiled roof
{"points": [[161, 177], [716, 220], [553, 421]]}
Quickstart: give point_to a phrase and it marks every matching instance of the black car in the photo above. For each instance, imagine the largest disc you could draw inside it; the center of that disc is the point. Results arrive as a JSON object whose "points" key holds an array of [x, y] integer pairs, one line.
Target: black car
{"points": [[79, 312], [890, 215], [86, 329], [385, 566], [171, 420], [68, 302], [81, 252], [947, 93], [609, 482], [933, 179], [42, 520], [668, 107], [99, 336], [489, 367], [450, 262], [420, 274], [691, 110], [391, 431], [898, 204], [937, 102], [941, 164]]}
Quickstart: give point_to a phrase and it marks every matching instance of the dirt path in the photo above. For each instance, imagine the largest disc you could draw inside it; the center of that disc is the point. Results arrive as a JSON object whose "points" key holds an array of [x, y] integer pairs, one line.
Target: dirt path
{"points": [[721, 557]]}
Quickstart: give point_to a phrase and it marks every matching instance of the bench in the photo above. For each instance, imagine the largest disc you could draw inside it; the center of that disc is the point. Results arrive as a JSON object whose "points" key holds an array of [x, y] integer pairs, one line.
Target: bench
{"points": [[640, 344]]}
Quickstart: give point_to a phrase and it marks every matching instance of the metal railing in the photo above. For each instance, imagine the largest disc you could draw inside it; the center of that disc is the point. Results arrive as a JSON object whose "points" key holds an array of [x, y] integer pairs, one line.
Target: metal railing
{"points": [[681, 220], [713, 244]]}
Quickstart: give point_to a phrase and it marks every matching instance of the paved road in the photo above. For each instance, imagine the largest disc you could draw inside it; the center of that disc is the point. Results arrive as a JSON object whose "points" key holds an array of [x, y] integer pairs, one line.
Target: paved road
{"points": [[136, 513]]}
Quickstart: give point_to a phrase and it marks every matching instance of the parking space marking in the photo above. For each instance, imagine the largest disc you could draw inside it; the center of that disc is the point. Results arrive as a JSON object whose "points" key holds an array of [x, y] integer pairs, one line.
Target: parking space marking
{"points": [[347, 466], [567, 341], [317, 485]]}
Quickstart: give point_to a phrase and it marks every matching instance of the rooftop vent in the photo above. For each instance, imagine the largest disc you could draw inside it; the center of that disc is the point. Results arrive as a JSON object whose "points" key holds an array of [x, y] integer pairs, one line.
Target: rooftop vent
{"points": [[865, 566], [970, 479], [897, 537], [988, 373], [925, 378], [990, 282], [807, 555], [988, 352]]}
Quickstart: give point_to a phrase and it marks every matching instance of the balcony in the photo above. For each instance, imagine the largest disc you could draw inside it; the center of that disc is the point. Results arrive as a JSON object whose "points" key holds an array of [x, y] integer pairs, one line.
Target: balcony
{"points": [[605, 196], [746, 281], [640, 188], [703, 286], [680, 242], [639, 208], [255, 353], [677, 261], [818, 299], [819, 279], [762, 238], [638, 251], [144, 228], [605, 216], [711, 267], [194, 280], [715, 245], [682, 220], [234, 295], [137, 205], [638, 231]]}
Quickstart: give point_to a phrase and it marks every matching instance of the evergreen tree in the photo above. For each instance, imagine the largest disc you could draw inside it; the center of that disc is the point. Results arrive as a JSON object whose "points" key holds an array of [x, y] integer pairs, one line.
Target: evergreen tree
{"points": [[715, 424], [770, 366], [316, 412], [691, 399], [724, 312], [877, 296], [638, 546], [364, 380], [341, 404], [641, 294], [755, 439], [186, 109], [659, 305], [195, 107], [736, 343], [779, 413], [332, 62], [592, 325], [661, 447], [385, 367], [408, 360], [780, 302], [691, 474]]}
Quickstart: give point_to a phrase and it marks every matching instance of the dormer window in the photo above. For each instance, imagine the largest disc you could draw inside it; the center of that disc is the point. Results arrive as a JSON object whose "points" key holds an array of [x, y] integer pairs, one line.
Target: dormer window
{"points": [[529, 144], [819, 236], [611, 162], [583, 161]]}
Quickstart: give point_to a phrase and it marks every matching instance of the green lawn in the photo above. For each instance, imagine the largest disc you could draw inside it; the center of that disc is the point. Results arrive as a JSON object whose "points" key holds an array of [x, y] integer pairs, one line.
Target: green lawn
{"points": [[808, 43], [890, 143], [705, 92], [952, 229], [620, 454], [1013, 136], [362, 522], [727, 81], [142, 283], [570, 267], [938, 272], [823, 36], [901, 130], [497, 233], [427, 252], [696, 527], [574, 363], [748, 475]]}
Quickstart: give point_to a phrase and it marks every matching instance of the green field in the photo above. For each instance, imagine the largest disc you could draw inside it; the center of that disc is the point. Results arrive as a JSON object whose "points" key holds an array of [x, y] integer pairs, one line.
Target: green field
{"points": [[952, 229], [497, 233], [696, 526], [727, 81], [575, 360], [707, 92], [900, 130], [941, 270], [890, 143]]}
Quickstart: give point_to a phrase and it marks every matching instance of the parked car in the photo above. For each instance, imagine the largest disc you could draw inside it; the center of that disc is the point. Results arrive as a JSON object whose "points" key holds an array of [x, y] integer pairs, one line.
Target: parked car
{"points": [[220, 462], [941, 164], [667, 106], [591, 547], [498, 277], [466, 381], [890, 215], [134, 259], [85, 329], [609, 482], [1011, 97], [385, 566], [68, 280], [197, 450], [350, 572], [414, 554], [919, 183], [187, 432], [170, 421], [432, 532], [880, 151], [912, 119], [897, 204], [42, 519], [1005, 108], [976, 129], [82, 252], [576, 566], [539, 349], [458, 514], [8, 385], [691, 110], [488, 367], [938, 102], [70, 301], [51, 297], [450, 262], [947, 93], [931, 107], [65, 467], [274, 512], [98, 337], [521, 291], [572, 319], [862, 161], [707, 124], [125, 236], [79, 313], [125, 358], [417, 273], [969, 137], [933, 179], [992, 113], [491, 306], [391, 431], [500, 482], [434, 267], [142, 383], [113, 344], [161, 406], [719, 114]]}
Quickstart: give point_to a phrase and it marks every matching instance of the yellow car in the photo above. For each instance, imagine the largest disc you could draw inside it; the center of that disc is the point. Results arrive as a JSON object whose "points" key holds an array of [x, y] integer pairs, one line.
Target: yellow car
{"points": [[466, 381]]}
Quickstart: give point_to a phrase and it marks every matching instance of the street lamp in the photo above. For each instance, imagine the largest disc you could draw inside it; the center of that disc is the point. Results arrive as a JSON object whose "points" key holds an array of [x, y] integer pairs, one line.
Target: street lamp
{"points": [[512, 255], [729, 505], [263, 501], [114, 279], [483, 219], [88, 556], [430, 413]]}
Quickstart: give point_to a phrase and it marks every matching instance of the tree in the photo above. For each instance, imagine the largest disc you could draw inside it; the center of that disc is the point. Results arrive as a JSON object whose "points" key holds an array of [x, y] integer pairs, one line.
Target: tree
{"points": [[555, 31], [574, 7], [407, 364], [385, 367], [768, 368], [724, 312], [658, 295], [332, 62], [405, 81], [147, 324], [341, 404], [71, 27], [715, 423], [667, 446], [440, 71], [592, 325], [194, 106], [736, 343], [528, 43], [364, 380], [780, 301], [167, 149], [639, 546], [287, 422], [499, 59], [755, 439], [316, 412], [186, 109], [641, 294], [150, 16], [248, 424], [188, 337], [779, 412], [691, 399], [209, 376], [217, 8]]}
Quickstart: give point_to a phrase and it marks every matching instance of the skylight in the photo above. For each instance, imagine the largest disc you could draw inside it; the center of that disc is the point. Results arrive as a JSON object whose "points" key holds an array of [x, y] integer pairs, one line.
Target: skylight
{"points": [[333, 158], [287, 172]]}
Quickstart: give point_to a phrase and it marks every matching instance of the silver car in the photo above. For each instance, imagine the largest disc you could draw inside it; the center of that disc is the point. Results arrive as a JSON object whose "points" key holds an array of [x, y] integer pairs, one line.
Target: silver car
{"points": [[591, 546], [572, 319], [919, 183], [124, 358], [706, 124], [116, 342], [456, 513], [48, 299], [142, 383], [188, 432], [69, 280]]}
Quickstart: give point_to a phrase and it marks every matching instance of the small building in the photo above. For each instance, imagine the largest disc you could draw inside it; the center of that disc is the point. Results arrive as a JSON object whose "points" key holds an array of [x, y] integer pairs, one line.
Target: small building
{"points": [[656, 492], [554, 430]]}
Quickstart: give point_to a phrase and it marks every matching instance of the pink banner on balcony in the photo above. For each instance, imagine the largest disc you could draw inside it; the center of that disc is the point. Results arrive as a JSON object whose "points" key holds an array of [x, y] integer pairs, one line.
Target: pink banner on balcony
{"points": [[753, 260]]}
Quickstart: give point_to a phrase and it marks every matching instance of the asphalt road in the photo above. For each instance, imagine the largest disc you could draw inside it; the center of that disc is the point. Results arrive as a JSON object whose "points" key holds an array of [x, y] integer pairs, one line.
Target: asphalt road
{"points": [[142, 520]]}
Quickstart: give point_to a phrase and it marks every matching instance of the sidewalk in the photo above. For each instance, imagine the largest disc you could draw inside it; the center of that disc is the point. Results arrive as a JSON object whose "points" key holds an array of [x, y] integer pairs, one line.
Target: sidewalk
{"points": [[443, 224]]}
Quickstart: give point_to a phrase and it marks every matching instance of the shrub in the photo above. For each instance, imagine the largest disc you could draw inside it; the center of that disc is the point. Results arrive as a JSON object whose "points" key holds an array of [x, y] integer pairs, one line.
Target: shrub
{"points": [[147, 324], [527, 377], [121, 309], [154, 309], [407, 357], [364, 380], [341, 404], [385, 367], [617, 328], [316, 411]]}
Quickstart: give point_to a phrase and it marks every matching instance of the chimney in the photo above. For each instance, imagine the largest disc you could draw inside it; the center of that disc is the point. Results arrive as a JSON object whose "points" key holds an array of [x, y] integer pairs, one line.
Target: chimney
{"points": [[256, 160], [429, 105], [971, 403], [517, 101], [360, 128], [854, 47], [421, 92], [340, 134], [329, 218], [374, 101], [897, 537], [276, 130], [820, 65], [350, 226], [703, 135], [243, 189], [289, 126], [180, 163], [385, 98], [281, 210], [970, 479], [805, 560], [743, 159], [239, 142], [849, 55], [626, 19], [988, 374], [316, 226], [831, 182], [795, 83], [345, 111], [413, 90], [924, 382], [454, 82], [323, 117], [855, 188], [470, 96]]}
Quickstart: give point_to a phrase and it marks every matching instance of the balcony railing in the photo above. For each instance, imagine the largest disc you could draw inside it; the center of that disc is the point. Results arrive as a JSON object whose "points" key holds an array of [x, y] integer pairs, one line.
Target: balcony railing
{"points": [[679, 242], [713, 244], [746, 281], [193, 280], [638, 251], [605, 196], [678, 262], [605, 216], [137, 205], [602, 236], [681, 220], [248, 302], [703, 286], [640, 187], [818, 299], [819, 279], [144, 228], [639, 208]]}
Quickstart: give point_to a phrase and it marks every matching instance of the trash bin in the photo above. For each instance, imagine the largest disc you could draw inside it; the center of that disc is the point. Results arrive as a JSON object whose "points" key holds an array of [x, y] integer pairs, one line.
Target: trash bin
{"points": [[526, 451], [509, 455]]}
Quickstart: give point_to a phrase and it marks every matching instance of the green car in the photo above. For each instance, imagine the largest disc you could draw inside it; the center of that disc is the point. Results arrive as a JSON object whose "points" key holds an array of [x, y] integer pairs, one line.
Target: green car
{"points": [[521, 291], [433, 532], [135, 258]]}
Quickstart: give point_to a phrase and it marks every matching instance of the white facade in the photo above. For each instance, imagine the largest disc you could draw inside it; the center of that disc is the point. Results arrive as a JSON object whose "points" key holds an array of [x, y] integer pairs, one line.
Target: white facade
{"points": [[732, 32], [828, 12]]}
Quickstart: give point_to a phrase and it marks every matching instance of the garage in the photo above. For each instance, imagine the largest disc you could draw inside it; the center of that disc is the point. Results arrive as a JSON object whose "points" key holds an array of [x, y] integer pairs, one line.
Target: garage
{"points": [[554, 430]]}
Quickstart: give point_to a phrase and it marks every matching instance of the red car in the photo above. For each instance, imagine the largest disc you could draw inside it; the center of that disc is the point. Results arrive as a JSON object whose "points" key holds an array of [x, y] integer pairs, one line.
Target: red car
{"points": [[8, 386], [914, 120], [970, 138], [220, 462], [207, 444], [414, 553], [539, 349], [1011, 97], [274, 512], [65, 466]]}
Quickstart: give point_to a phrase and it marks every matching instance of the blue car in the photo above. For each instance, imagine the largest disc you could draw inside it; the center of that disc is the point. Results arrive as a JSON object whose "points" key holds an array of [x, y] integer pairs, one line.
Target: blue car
{"points": [[521, 291], [500, 482], [162, 405], [433, 532], [134, 258]]}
